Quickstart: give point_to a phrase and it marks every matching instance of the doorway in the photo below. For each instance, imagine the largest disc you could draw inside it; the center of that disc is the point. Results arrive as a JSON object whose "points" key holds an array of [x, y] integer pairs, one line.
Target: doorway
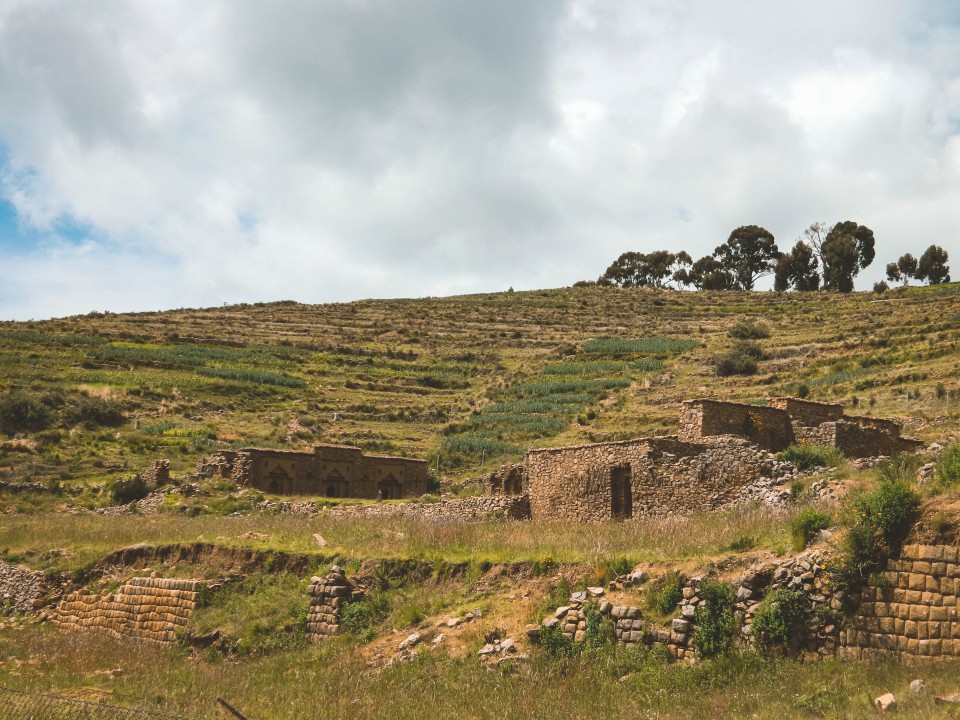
{"points": [[621, 493]]}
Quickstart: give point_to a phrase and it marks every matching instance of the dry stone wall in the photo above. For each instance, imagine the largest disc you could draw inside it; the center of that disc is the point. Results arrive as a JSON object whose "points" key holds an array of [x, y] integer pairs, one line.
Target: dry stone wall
{"points": [[662, 477], [21, 589], [328, 595], [149, 609]]}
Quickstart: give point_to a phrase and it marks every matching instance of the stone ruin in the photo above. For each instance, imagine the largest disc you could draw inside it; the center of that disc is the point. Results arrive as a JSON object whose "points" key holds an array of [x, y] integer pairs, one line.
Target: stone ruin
{"points": [[145, 608], [337, 471], [721, 451]]}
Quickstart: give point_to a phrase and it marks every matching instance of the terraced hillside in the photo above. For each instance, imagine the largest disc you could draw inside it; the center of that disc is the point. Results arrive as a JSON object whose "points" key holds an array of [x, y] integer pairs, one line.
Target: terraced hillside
{"points": [[460, 381]]}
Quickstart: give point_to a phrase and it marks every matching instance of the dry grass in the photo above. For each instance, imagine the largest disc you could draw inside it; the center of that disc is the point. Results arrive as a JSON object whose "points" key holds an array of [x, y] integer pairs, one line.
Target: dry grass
{"points": [[56, 541]]}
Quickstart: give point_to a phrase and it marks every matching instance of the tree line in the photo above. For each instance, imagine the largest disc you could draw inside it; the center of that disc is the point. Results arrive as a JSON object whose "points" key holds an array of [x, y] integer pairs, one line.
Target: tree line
{"points": [[824, 257]]}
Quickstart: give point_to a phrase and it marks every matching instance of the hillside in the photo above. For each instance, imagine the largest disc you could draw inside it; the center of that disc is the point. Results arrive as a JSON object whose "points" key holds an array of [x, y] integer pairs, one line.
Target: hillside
{"points": [[468, 379], [229, 577]]}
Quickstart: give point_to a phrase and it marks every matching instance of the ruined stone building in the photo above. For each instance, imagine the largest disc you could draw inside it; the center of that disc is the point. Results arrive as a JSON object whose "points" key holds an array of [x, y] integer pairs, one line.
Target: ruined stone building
{"points": [[338, 471], [721, 448]]}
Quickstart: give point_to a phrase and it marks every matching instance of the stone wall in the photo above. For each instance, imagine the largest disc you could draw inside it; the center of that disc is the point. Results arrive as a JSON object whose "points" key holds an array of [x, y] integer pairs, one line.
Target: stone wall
{"points": [[158, 474], [507, 480], [327, 470], [911, 607], [767, 427], [807, 412], [328, 595], [485, 507], [639, 478], [21, 589], [150, 609]]}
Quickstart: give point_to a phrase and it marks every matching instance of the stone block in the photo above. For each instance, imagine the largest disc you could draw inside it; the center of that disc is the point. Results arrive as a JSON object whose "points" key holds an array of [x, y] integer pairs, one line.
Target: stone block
{"points": [[910, 629], [917, 582]]}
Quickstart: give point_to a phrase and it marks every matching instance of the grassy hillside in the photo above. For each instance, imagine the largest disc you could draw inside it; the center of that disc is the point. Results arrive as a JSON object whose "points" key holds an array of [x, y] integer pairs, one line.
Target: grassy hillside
{"points": [[467, 379], [87, 400]]}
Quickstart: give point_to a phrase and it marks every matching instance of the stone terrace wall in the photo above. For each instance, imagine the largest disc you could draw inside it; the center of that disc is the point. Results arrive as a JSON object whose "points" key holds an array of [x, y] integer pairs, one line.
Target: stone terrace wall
{"points": [[913, 609], [150, 609], [328, 595], [21, 589], [768, 427], [511, 507]]}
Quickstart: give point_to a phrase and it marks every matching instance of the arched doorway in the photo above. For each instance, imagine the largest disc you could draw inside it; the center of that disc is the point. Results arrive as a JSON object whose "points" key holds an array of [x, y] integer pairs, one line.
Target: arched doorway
{"points": [[389, 488]]}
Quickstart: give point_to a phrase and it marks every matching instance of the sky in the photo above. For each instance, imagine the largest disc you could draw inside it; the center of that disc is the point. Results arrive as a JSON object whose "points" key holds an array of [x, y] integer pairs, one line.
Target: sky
{"points": [[158, 155]]}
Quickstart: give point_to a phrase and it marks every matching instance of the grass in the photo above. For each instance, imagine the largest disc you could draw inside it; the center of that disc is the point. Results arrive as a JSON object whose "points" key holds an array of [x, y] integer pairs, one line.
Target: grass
{"points": [[80, 540], [333, 680]]}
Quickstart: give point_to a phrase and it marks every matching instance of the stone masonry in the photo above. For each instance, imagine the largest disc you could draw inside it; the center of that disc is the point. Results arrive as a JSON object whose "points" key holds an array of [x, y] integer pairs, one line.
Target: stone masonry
{"points": [[723, 449], [639, 478], [21, 589], [785, 421], [149, 609], [326, 470], [328, 595], [911, 607]]}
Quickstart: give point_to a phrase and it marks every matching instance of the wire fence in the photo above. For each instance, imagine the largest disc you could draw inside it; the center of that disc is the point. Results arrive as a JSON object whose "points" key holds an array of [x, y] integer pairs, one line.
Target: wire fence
{"points": [[16, 705]]}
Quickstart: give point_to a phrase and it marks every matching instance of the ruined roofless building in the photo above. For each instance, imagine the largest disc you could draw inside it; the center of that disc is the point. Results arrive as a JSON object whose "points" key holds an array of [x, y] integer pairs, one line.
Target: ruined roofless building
{"points": [[721, 448], [338, 471]]}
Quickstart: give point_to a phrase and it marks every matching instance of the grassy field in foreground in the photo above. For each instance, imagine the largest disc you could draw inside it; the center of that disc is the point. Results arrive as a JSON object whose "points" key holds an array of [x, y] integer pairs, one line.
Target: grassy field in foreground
{"points": [[333, 681], [54, 541]]}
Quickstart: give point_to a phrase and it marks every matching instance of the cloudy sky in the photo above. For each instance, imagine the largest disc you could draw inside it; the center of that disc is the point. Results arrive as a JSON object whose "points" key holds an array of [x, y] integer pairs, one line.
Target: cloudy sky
{"points": [[180, 154]]}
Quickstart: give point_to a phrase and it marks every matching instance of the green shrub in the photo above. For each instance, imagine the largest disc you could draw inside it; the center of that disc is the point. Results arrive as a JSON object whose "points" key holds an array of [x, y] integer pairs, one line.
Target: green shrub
{"points": [[127, 490], [806, 456], [876, 524], [599, 631], [781, 619], [92, 412], [22, 412], [715, 625], [362, 618], [947, 467], [555, 643], [749, 330], [665, 593], [806, 525], [730, 364]]}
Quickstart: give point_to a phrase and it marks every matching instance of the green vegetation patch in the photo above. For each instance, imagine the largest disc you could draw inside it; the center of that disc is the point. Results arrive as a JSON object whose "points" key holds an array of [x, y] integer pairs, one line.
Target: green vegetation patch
{"points": [[259, 377], [256, 615], [640, 346], [810, 455]]}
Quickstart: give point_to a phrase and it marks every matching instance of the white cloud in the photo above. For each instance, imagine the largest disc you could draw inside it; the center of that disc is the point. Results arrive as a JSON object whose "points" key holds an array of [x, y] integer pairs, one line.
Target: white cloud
{"points": [[234, 151]]}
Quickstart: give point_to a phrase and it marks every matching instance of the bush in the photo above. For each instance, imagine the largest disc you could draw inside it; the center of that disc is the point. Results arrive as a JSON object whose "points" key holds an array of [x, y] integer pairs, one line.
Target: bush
{"points": [[123, 491], [731, 364], [877, 522], [781, 619], [665, 594], [362, 618], [715, 626], [555, 643], [22, 412], [749, 330], [807, 456], [806, 525], [880, 287], [947, 467], [92, 412]]}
